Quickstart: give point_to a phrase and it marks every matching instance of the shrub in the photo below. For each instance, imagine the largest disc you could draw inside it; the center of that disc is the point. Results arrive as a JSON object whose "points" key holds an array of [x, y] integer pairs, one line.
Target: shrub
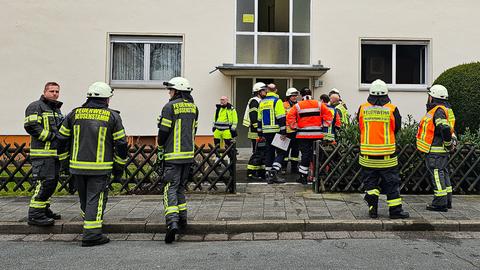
{"points": [[463, 84]]}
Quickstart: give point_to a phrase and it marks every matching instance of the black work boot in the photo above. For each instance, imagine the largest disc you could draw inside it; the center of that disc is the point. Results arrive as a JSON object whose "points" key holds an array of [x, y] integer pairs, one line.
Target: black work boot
{"points": [[396, 212], [372, 202], [96, 242], [273, 178], [41, 221], [172, 230], [437, 208], [253, 176], [302, 179], [50, 214]]}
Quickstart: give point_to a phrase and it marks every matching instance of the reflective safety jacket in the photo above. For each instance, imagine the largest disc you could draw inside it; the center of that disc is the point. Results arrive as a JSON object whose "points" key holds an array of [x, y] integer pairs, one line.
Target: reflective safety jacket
{"points": [[330, 132], [225, 117], [96, 138], [345, 117], [250, 118], [378, 126], [42, 120], [271, 115], [177, 126], [435, 130], [288, 105], [309, 117]]}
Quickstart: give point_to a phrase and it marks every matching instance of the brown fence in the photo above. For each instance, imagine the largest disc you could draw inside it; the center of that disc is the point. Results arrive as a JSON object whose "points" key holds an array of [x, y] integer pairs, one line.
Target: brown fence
{"points": [[213, 170], [337, 169]]}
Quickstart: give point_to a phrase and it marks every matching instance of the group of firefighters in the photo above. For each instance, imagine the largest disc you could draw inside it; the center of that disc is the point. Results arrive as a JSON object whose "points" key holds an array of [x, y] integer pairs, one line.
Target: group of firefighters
{"points": [[91, 143]]}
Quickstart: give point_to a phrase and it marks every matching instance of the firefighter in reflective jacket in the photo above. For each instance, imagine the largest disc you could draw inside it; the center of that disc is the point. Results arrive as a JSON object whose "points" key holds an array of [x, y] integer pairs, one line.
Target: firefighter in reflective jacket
{"points": [[332, 130], [435, 137], [379, 121], [337, 102], [308, 117], [225, 122], [42, 120], [256, 163], [177, 126], [97, 145], [271, 120], [292, 152]]}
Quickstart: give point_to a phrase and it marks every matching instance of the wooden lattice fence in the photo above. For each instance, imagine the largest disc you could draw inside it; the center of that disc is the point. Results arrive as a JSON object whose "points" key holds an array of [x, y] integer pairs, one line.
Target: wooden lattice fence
{"points": [[337, 169], [214, 170]]}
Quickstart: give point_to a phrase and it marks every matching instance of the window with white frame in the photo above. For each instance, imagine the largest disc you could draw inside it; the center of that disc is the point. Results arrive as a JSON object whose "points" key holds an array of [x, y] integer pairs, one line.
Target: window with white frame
{"points": [[398, 63], [273, 32], [144, 60]]}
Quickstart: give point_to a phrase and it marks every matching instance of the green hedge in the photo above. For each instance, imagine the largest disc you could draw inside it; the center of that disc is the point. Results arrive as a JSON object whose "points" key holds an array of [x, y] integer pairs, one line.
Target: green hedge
{"points": [[463, 84]]}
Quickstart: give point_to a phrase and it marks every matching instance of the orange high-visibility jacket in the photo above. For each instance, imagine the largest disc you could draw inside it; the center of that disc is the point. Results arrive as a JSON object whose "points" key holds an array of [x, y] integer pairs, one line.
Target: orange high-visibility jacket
{"points": [[308, 117], [426, 129], [377, 129]]}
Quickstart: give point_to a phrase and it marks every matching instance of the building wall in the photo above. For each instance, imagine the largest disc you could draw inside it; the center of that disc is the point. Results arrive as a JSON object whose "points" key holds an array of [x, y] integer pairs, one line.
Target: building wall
{"points": [[67, 41]]}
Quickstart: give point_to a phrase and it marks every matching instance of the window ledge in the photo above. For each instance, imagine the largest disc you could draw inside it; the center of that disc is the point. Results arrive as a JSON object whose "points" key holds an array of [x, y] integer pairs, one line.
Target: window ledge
{"points": [[400, 87], [137, 85]]}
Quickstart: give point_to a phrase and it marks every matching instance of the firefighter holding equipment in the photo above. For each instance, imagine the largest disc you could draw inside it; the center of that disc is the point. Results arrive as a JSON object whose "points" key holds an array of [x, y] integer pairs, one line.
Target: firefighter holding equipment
{"points": [[42, 121], [292, 152], [177, 126], [308, 117], [225, 122], [435, 139], [96, 140], [379, 120]]}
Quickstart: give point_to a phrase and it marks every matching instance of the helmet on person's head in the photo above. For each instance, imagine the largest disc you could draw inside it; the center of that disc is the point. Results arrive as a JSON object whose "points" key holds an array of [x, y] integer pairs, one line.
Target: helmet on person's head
{"points": [[438, 91], [178, 83], [292, 92], [258, 86], [334, 91], [378, 88], [99, 90]]}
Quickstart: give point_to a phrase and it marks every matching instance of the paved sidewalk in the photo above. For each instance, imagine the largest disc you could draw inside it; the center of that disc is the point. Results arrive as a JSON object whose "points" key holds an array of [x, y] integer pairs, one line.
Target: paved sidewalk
{"points": [[255, 208]]}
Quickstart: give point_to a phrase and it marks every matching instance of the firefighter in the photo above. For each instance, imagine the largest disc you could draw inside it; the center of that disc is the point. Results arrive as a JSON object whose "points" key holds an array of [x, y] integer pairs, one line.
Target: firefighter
{"points": [[435, 137], [271, 120], [292, 152], [42, 120], [95, 137], [255, 166], [337, 102], [225, 122], [177, 126], [308, 117], [332, 131], [379, 120]]}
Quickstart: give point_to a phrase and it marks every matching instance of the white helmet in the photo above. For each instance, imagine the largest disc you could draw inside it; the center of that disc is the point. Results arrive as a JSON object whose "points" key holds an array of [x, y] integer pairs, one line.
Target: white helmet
{"points": [[292, 91], [378, 88], [99, 89], [258, 86], [178, 83], [438, 91], [334, 91]]}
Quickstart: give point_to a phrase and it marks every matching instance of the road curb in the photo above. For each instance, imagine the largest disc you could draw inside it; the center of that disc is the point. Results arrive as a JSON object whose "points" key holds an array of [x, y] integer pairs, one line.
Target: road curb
{"points": [[241, 226]]}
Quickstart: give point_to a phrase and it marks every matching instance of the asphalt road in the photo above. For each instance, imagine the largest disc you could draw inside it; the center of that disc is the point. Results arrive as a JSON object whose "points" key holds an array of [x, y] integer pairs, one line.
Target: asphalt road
{"points": [[301, 254]]}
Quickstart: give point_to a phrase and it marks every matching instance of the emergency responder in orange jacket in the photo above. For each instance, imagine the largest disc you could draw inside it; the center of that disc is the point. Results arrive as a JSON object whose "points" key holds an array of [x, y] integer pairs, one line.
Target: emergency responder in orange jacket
{"points": [[435, 137], [379, 121], [308, 117]]}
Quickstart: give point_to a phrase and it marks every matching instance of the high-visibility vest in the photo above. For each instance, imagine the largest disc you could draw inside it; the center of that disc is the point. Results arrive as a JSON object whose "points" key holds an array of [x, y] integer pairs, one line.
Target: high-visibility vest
{"points": [[329, 132], [225, 118], [288, 107], [271, 114], [426, 130], [310, 116], [345, 117], [377, 129]]}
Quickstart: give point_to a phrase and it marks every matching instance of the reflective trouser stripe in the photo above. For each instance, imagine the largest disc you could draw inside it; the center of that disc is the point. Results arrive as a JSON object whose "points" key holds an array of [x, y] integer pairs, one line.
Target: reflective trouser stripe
{"points": [[33, 202], [182, 207], [255, 168], [277, 166], [303, 169], [167, 208], [439, 191], [294, 159], [394, 202], [374, 192], [100, 207], [92, 224], [449, 189]]}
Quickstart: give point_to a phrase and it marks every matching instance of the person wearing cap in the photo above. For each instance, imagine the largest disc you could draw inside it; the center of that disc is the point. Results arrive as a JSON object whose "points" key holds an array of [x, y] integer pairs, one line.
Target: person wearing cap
{"points": [[379, 121], [337, 102], [436, 138], [96, 142], [256, 163], [177, 126], [224, 122], [292, 152]]}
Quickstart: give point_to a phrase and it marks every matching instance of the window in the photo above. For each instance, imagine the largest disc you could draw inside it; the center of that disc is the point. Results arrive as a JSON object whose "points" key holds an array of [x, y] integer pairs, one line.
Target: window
{"points": [[273, 32], [144, 60], [400, 64]]}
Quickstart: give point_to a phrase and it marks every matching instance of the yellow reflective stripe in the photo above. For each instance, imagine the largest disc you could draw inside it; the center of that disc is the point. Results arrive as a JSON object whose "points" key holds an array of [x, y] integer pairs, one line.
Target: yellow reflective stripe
{"points": [[102, 132], [82, 214], [33, 202], [43, 153], [182, 207], [47, 114], [119, 160], [294, 159], [165, 195], [86, 165], [177, 136], [119, 134], [179, 155], [423, 146], [441, 121], [374, 191], [166, 122], [43, 135], [438, 186], [76, 142], [65, 131], [46, 123], [47, 146], [31, 118], [92, 224], [171, 210], [63, 156], [449, 189], [438, 149], [100, 207], [440, 193], [394, 202], [254, 167], [378, 163]]}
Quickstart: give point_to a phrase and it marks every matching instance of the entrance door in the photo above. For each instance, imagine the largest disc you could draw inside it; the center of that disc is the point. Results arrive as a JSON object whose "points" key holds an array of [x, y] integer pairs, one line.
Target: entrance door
{"points": [[243, 93]]}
